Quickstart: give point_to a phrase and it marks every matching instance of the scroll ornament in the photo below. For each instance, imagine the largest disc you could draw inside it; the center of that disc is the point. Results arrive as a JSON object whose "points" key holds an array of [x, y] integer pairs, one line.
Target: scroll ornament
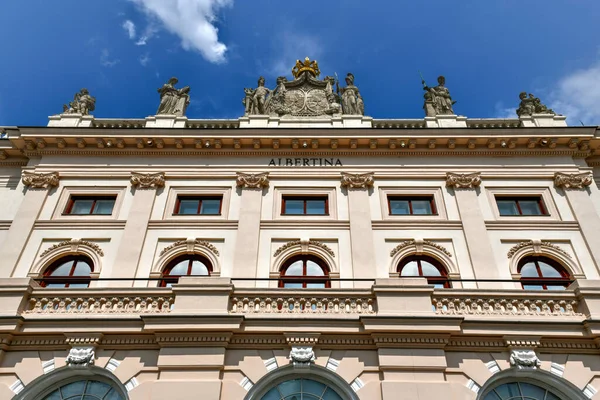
{"points": [[148, 181], [40, 181], [357, 181], [252, 181], [463, 181], [572, 181]]}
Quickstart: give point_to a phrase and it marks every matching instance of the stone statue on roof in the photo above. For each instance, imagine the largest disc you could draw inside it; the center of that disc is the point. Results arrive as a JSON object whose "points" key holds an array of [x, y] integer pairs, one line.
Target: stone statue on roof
{"points": [[173, 101], [530, 105], [350, 97], [82, 103], [437, 99], [255, 101]]}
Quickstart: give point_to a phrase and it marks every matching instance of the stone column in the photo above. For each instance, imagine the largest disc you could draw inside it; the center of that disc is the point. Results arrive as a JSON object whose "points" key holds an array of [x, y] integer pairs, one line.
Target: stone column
{"points": [[476, 235], [361, 231], [136, 227], [245, 258], [38, 185], [583, 208]]}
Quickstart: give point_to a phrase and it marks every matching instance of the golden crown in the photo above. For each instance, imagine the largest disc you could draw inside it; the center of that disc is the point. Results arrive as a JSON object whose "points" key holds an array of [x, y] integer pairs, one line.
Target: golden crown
{"points": [[306, 65]]}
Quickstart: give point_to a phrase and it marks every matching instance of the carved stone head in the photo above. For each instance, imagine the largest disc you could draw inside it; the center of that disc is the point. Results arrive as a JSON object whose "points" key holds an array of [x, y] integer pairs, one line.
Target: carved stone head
{"points": [[441, 80], [173, 81], [261, 81], [523, 95], [349, 79]]}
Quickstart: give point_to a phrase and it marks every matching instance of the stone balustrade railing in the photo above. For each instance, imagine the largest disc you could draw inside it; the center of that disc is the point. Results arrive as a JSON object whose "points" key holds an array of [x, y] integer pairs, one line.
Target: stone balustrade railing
{"points": [[506, 303], [326, 301]]}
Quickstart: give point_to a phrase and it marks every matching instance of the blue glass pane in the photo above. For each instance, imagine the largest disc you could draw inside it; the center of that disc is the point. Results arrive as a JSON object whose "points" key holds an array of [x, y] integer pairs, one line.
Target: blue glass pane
{"points": [[552, 396], [410, 269], [314, 269], [507, 207], [113, 395], [272, 394], [492, 396], [198, 268], [295, 269], [72, 389], [188, 206], [82, 206], [315, 207], [548, 271], [533, 287], [508, 390], [292, 285], [529, 271], [97, 388], [532, 391], [290, 387], [331, 395], [421, 207], [294, 207], [63, 270], [530, 207], [82, 269], [555, 287], [181, 268], [211, 207], [312, 387], [104, 207], [313, 285], [429, 269], [399, 207]]}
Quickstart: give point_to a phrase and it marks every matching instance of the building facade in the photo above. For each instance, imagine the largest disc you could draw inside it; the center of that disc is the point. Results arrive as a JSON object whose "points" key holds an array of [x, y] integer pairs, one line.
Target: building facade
{"points": [[303, 251]]}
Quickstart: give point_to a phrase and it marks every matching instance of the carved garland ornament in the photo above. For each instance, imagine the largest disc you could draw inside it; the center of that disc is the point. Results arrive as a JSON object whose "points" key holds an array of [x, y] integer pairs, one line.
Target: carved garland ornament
{"points": [[302, 242], [532, 243], [572, 181], [463, 181], [252, 181], [357, 181], [191, 242], [39, 181], [74, 244], [413, 242], [148, 181]]}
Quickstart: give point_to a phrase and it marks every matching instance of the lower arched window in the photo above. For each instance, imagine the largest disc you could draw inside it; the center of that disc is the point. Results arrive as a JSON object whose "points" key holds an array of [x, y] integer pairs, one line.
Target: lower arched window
{"points": [[427, 267], [520, 391], [301, 389], [85, 390], [68, 272], [187, 265], [304, 272], [542, 273]]}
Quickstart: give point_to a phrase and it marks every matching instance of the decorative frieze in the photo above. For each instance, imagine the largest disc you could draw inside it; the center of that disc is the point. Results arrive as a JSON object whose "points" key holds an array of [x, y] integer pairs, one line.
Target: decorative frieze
{"points": [[93, 304], [74, 245], [357, 181], [304, 243], [252, 181], [147, 181], [524, 359], [463, 181], [536, 246], [572, 181], [36, 180], [190, 243], [81, 357], [419, 245]]}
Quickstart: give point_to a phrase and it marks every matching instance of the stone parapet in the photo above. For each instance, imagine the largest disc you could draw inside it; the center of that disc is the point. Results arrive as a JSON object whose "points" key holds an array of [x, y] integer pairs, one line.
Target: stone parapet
{"points": [[543, 120], [336, 121], [71, 120]]}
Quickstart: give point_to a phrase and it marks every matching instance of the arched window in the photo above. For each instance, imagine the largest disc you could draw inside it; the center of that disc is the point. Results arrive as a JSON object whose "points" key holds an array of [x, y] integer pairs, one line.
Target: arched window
{"points": [[69, 272], [301, 389], [304, 271], [520, 391], [88, 390], [186, 265], [427, 267], [542, 273]]}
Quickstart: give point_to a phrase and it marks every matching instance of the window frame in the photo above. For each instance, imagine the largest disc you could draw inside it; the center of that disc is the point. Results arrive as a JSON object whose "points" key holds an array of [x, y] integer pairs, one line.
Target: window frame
{"points": [[443, 278], [67, 280], [410, 199], [304, 279], [75, 197], [565, 279], [58, 210], [200, 198], [166, 278], [304, 198], [517, 198]]}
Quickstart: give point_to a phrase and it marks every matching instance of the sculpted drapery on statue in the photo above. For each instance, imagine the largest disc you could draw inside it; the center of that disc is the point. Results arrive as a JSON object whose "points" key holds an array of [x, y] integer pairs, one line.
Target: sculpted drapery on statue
{"points": [[173, 101], [256, 99], [437, 99], [82, 103], [532, 105], [351, 100]]}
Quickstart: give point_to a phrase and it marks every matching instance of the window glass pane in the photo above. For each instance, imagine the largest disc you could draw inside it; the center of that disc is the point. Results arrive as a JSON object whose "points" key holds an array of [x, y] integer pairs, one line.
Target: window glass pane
{"points": [[428, 269], [82, 268], [421, 207], [82, 206], [97, 388], [295, 269], [530, 207], [317, 285], [113, 395], [556, 287], [507, 207], [548, 271], [410, 269], [180, 268], [294, 206], [73, 389], [551, 396], [529, 271], [438, 285], [331, 395], [312, 387], [272, 394], [315, 207], [533, 391], [491, 396], [53, 396], [56, 285], [78, 285], [533, 287], [188, 206], [289, 387], [293, 285], [508, 390], [104, 207], [63, 270], [314, 269], [211, 207], [198, 268], [399, 207]]}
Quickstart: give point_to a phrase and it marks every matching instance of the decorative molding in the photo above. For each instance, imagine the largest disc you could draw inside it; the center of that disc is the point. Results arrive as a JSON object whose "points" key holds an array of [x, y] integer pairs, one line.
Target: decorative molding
{"points": [[81, 357], [537, 247], [419, 243], [299, 303], [39, 181], [524, 359], [74, 243], [252, 181], [573, 181], [90, 303], [148, 181], [193, 339], [191, 243], [307, 244], [302, 356], [357, 181], [463, 181]]}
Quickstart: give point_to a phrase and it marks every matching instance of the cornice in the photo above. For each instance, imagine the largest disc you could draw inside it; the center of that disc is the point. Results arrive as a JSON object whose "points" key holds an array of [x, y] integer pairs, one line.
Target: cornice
{"points": [[79, 224], [181, 339], [192, 223], [532, 225], [303, 225], [409, 224]]}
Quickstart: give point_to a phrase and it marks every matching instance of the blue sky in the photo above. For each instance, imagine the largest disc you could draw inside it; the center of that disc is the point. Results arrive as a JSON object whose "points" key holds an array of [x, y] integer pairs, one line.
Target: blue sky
{"points": [[123, 50]]}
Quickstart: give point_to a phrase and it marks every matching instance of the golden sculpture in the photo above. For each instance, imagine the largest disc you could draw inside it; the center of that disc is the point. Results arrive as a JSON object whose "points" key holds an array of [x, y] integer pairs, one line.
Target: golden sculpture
{"points": [[306, 65]]}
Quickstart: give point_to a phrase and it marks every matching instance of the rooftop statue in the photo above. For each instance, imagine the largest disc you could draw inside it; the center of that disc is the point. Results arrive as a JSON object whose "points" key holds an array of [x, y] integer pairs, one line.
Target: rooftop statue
{"points": [[82, 103], [351, 100], [173, 101], [256, 99], [437, 99], [532, 105]]}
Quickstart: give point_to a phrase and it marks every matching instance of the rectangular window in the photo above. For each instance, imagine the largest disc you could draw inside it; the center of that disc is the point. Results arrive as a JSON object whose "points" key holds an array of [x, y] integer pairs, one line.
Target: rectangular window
{"points": [[90, 205], [514, 206], [411, 205], [309, 205], [194, 205]]}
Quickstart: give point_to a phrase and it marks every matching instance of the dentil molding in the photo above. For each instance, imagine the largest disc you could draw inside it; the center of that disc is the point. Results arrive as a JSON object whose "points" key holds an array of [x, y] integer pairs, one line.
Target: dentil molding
{"points": [[148, 181], [357, 181], [463, 181], [252, 181], [36, 180], [572, 181]]}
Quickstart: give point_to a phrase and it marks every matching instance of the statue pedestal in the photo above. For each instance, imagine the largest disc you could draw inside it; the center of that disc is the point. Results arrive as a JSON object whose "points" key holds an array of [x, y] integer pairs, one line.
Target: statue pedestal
{"points": [[446, 121], [71, 120], [543, 120], [336, 121], [166, 121]]}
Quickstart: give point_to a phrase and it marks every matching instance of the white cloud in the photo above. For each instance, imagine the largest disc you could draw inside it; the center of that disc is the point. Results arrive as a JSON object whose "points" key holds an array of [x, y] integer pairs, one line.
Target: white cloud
{"points": [[105, 59], [500, 111], [129, 27], [191, 20], [577, 96], [145, 59], [290, 47]]}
